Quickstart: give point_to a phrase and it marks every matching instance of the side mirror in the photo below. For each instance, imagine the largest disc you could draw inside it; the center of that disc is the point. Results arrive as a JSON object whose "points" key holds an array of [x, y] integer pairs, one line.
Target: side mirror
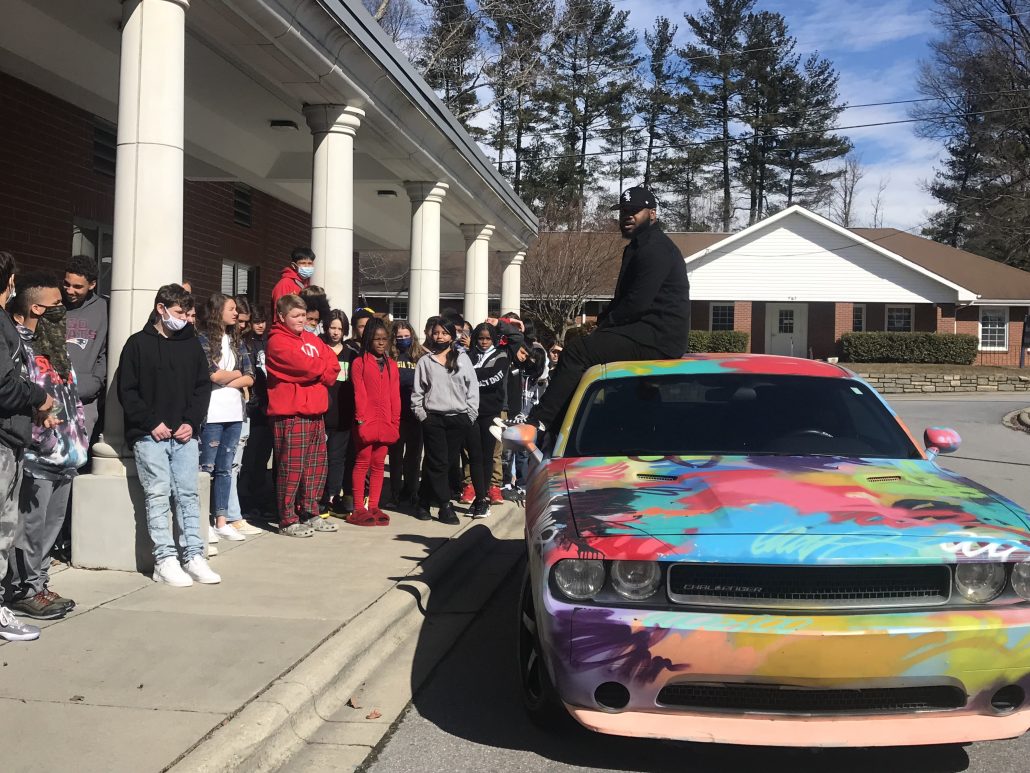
{"points": [[941, 440]]}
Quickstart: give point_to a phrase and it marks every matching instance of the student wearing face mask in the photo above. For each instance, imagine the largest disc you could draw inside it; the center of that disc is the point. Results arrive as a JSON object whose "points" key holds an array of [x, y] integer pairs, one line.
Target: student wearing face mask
{"points": [[406, 453], [295, 277], [445, 399], [491, 364], [339, 419]]}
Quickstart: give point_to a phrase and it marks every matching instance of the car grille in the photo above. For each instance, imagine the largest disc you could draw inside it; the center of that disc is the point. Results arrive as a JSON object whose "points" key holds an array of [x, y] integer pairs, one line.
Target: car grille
{"points": [[809, 588], [773, 698]]}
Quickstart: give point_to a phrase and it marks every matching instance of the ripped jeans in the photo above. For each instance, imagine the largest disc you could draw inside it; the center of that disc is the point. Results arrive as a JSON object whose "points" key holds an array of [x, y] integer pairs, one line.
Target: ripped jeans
{"points": [[218, 440]]}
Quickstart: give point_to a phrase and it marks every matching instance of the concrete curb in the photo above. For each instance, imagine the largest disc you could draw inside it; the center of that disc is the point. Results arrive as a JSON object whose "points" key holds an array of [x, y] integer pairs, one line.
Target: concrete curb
{"points": [[273, 726]]}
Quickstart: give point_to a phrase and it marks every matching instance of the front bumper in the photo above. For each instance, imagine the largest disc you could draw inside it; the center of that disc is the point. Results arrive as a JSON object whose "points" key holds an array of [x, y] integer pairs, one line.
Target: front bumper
{"points": [[979, 651]]}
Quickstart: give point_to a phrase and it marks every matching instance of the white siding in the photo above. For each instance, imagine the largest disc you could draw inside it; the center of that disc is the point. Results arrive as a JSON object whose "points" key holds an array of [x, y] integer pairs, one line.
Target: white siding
{"points": [[796, 259]]}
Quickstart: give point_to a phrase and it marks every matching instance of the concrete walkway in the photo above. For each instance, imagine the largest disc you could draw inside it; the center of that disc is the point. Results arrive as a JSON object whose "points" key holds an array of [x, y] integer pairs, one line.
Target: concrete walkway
{"points": [[140, 674]]}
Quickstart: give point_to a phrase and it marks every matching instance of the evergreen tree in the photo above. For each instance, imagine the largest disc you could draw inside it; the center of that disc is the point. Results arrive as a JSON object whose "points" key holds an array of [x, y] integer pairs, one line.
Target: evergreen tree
{"points": [[664, 104], [592, 65], [714, 64], [803, 155], [447, 58]]}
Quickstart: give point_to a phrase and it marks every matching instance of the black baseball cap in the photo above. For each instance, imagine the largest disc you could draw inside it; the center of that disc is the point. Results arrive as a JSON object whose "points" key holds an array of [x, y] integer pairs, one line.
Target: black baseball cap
{"points": [[637, 197]]}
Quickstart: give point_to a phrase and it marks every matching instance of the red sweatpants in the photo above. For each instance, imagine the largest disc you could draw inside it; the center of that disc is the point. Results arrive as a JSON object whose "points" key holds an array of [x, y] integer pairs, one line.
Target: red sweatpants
{"points": [[373, 454]]}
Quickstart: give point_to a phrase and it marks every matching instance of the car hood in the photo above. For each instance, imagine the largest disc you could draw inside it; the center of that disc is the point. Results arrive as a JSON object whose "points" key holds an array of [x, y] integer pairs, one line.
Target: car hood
{"points": [[695, 503]]}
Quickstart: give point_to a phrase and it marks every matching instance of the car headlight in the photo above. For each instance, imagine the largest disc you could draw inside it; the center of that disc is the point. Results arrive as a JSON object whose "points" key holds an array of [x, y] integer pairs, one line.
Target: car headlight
{"points": [[979, 583], [579, 578], [1021, 580], [635, 580]]}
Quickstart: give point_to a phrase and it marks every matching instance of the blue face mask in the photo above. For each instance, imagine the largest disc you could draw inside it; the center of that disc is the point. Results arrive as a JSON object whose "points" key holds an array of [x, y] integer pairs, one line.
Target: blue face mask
{"points": [[403, 344], [306, 272]]}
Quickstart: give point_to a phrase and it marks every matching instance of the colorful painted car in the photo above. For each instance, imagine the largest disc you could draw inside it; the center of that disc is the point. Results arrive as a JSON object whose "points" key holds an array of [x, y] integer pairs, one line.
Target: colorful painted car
{"points": [[753, 549]]}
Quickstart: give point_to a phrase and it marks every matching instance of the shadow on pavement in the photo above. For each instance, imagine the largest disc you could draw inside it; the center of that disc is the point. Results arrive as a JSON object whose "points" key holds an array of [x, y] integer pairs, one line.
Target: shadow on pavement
{"points": [[473, 696]]}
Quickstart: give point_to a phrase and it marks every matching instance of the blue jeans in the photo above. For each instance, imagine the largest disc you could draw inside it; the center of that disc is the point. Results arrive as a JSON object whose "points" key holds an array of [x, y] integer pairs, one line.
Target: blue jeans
{"points": [[218, 441], [235, 513], [168, 468]]}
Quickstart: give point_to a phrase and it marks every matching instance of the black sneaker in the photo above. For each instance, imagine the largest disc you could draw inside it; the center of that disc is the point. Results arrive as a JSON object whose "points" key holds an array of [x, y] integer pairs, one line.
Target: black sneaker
{"points": [[423, 514], [39, 607], [480, 509], [448, 516]]}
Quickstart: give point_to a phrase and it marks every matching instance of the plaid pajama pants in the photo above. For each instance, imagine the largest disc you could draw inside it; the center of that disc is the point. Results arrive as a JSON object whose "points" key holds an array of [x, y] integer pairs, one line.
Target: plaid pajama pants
{"points": [[302, 466]]}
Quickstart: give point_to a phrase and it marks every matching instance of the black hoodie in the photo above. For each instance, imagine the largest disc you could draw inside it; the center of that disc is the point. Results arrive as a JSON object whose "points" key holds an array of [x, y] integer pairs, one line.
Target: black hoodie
{"points": [[163, 380], [19, 396]]}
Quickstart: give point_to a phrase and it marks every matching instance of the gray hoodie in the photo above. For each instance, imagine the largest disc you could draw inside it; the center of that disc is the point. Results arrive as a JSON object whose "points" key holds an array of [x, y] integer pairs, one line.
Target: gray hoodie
{"points": [[87, 346], [437, 390]]}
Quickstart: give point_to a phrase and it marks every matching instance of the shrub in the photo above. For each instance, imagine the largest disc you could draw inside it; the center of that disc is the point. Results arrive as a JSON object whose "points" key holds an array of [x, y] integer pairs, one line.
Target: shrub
{"points": [[734, 341], [932, 348]]}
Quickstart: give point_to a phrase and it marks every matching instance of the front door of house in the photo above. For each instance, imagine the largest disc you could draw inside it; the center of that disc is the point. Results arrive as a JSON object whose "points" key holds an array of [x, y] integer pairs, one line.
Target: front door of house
{"points": [[786, 329]]}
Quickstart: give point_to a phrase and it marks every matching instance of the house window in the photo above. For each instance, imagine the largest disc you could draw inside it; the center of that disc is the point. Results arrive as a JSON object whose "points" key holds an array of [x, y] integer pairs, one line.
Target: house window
{"points": [[97, 241], [239, 279], [858, 318], [994, 328], [899, 319], [399, 308], [721, 317], [785, 321]]}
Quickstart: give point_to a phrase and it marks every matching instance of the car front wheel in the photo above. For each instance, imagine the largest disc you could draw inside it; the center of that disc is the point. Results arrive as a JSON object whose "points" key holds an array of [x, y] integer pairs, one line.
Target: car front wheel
{"points": [[538, 693]]}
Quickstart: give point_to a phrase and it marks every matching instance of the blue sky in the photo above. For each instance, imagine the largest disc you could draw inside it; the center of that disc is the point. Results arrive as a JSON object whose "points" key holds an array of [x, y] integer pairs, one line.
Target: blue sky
{"points": [[877, 47]]}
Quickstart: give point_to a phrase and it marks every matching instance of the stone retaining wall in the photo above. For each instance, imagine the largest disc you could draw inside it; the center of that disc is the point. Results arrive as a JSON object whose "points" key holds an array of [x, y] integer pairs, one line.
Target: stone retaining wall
{"points": [[894, 383]]}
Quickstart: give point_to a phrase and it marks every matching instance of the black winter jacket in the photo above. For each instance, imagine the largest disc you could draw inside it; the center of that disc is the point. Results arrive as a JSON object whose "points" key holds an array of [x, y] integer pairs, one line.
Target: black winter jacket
{"points": [[492, 372], [163, 380], [652, 297], [19, 397]]}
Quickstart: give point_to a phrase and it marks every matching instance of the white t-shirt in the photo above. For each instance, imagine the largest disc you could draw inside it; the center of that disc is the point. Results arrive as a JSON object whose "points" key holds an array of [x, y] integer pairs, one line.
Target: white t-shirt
{"points": [[226, 402]]}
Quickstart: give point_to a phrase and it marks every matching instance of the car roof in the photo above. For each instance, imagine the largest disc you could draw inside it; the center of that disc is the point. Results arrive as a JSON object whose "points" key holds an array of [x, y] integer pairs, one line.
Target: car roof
{"points": [[759, 364]]}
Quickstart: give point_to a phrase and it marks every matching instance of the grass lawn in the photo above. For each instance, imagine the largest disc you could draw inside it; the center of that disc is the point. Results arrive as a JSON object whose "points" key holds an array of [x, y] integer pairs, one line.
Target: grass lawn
{"points": [[909, 367]]}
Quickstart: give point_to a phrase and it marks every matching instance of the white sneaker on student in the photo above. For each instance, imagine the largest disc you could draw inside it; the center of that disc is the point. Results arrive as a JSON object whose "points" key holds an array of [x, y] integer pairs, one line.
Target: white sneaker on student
{"points": [[229, 533], [212, 536], [168, 571], [197, 568]]}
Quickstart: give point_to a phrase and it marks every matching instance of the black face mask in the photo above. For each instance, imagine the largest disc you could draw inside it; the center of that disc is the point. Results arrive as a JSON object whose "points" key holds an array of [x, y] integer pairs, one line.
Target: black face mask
{"points": [[436, 346]]}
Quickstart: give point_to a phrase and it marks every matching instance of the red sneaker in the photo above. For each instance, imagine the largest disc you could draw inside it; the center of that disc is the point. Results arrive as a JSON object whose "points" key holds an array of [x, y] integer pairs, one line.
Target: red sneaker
{"points": [[495, 495], [468, 495]]}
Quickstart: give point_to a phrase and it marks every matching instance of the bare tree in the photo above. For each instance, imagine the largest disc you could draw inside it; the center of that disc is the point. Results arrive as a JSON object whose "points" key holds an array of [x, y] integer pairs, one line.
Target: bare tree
{"points": [[563, 270], [878, 202], [843, 204]]}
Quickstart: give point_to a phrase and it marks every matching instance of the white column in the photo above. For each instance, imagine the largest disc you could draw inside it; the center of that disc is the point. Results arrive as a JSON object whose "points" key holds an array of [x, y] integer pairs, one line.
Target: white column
{"points": [[511, 284], [477, 270], [332, 198], [424, 268], [147, 190]]}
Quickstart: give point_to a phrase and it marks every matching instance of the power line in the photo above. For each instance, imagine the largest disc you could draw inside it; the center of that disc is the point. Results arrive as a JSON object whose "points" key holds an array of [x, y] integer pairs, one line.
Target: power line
{"points": [[774, 135], [735, 116]]}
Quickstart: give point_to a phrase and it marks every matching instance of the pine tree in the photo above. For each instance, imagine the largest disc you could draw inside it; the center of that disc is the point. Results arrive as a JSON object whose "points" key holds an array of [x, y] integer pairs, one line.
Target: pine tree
{"points": [[447, 57], [592, 66], [664, 104], [714, 64], [803, 155]]}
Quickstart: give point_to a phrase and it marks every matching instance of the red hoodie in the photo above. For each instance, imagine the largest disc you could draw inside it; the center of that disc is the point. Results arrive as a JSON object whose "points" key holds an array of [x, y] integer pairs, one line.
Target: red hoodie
{"points": [[300, 370], [377, 400], [289, 284]]}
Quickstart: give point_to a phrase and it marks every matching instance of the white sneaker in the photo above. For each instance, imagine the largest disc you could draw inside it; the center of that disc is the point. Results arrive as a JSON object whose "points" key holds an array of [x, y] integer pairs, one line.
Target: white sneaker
{"points": [[168, 571], [198, 569], [212, 550], [244, 527], [229, 533], [212, 536]]}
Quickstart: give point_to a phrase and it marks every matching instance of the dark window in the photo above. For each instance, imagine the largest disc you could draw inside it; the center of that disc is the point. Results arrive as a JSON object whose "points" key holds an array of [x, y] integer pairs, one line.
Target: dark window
{"points": [[105, 147], [241, 204], [858, 318], [722, 316], [786, 321], [736, 414]]}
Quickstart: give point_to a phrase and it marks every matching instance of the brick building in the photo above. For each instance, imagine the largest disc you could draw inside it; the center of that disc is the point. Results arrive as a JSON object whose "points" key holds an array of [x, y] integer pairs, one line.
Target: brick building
{"points": [[795, 282]]}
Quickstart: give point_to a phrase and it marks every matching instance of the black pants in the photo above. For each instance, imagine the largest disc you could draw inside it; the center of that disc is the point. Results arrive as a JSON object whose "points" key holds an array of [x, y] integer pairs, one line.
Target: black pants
{"points": [[442, 437], [405, 459], [336, 445], [256, 483], [599, 347], [487, 443]]}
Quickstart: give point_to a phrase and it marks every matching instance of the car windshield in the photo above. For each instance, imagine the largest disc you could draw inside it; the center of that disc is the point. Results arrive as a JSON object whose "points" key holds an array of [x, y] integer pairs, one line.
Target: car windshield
{"points": [[735, 414]]}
